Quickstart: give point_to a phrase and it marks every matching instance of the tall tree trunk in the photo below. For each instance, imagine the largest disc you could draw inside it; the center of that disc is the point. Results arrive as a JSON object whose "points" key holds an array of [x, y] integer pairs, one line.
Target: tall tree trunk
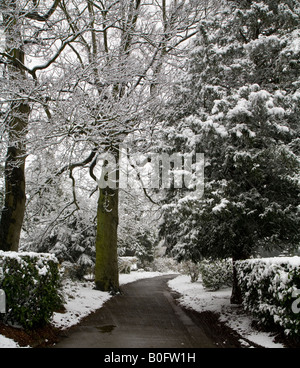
{"points": [[106, 267], [16, 124], [14, 203], [238, 255], [236, 295]]}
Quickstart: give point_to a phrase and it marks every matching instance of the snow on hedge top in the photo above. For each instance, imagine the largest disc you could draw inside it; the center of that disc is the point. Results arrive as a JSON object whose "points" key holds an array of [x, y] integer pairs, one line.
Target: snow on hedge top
{"points": [[293, 261], [40, 260], [20, 255]]}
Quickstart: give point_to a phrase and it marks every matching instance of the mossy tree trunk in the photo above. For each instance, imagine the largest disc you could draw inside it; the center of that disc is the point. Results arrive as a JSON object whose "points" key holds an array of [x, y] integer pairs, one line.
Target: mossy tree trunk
{"points": [[16, 125], [106, 267], [14, 201]]}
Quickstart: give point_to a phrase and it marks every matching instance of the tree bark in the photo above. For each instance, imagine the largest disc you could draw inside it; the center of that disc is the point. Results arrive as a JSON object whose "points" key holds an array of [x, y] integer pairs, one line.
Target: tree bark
{"points": [[14, 203], [236, 295], [106, 267], [239, 254], [16, 124]]}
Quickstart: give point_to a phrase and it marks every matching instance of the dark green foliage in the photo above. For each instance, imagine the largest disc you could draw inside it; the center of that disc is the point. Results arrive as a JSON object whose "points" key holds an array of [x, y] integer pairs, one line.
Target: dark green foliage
{"points": [[216, 273], [31, 282], [139, 243], [72, 241], [269, 290], [239, 105]]}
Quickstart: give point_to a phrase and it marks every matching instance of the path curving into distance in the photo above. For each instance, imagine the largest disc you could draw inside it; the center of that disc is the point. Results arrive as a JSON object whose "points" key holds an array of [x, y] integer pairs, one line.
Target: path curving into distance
{"points": [[146, 315]]}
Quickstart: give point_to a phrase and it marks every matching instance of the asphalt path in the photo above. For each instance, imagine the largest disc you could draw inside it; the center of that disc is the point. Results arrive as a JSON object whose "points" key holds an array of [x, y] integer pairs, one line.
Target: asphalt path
{"points": [[147, 315]]}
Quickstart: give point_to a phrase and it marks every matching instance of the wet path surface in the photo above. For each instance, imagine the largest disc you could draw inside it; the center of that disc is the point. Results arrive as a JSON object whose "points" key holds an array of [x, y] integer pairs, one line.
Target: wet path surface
{"points": [[146, 315]]}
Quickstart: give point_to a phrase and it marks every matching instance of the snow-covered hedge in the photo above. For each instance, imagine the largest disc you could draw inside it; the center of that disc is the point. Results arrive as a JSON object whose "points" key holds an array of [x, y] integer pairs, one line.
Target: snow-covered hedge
{"points": [[31, 282], [270, 288], [216, 273]]}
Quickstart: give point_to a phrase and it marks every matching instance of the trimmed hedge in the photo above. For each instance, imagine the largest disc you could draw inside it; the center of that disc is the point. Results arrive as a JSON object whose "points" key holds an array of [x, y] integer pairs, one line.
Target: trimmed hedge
{"points": [[31, 282], [216, 273], [270, 288]]}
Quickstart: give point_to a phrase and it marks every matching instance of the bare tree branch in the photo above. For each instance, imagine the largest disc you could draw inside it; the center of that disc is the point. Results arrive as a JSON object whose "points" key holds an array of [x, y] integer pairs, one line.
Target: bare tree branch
{"points": [[41, 18]]}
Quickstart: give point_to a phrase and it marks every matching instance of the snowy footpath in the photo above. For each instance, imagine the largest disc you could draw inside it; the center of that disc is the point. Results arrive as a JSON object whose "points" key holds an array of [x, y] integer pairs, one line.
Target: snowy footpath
{"points": [[82, 299]]}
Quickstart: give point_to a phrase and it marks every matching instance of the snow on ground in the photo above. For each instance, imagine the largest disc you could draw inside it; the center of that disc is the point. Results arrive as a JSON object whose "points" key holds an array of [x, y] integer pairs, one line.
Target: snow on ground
{"points": [[194, 296], [134, 276], [6, 343], [81, 300]]}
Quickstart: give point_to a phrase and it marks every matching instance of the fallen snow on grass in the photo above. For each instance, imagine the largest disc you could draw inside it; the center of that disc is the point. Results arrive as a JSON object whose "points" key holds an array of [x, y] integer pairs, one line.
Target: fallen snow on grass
{"points": [[196, 297], [80, 300]]}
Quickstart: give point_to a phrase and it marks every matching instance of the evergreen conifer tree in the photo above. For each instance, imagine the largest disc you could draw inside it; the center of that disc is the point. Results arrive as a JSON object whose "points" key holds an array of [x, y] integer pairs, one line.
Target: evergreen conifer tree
{"points": [[240, 105]]}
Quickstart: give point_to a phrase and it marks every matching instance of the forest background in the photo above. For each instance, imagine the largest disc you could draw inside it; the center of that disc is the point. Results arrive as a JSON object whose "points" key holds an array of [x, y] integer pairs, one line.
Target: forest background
{"points": [[80, 78]]}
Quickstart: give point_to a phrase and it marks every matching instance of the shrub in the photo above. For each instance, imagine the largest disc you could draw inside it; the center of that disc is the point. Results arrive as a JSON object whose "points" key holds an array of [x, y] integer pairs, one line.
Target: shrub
{"points": [[192, 269], [126, 264], [73, 242], [31, 283], [269, 287], [216, 273], [164, 264]]}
